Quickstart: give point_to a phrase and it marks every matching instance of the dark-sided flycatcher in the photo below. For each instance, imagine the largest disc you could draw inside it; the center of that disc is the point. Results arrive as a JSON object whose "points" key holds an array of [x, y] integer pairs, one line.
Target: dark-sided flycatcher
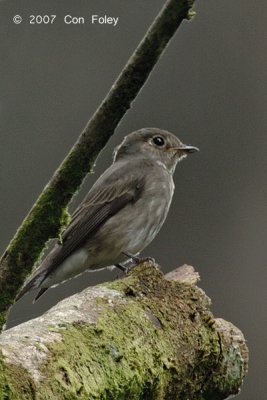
{"points": [[121, 214]]}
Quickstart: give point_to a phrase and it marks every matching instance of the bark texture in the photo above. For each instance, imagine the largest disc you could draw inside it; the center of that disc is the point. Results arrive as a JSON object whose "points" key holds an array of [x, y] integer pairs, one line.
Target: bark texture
{"points": [[146, 336], [49, 215]]}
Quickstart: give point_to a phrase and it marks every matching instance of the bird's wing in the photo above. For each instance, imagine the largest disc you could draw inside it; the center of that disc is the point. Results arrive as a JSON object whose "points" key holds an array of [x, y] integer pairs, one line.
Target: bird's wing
{"points": [[99, 206], [102, 202]]}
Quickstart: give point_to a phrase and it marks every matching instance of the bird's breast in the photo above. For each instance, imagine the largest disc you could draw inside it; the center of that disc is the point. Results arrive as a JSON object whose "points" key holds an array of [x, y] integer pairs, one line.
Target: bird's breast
{"points": [[147, 215], [136, 225]]}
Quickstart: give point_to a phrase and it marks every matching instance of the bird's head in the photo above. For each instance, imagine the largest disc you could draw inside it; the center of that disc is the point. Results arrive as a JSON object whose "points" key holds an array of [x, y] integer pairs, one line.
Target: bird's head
{"points": [[157, 144]]}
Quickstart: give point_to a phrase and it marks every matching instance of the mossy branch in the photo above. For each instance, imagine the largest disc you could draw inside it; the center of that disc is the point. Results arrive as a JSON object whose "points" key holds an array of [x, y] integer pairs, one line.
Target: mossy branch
{"points": [[146, 336], [48, 215]]}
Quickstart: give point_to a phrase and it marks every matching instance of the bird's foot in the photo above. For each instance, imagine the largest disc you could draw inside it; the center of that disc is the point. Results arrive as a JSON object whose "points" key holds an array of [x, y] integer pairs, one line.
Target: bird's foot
{"points": [[137, 259], [123, 268]]}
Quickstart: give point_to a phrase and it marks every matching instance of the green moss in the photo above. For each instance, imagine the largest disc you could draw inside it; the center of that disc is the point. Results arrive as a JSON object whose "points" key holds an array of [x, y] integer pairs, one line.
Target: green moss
{"points": [[15, 382], [191, 14], [156, 342], [119, 350], [4, 386], [103, 362]]}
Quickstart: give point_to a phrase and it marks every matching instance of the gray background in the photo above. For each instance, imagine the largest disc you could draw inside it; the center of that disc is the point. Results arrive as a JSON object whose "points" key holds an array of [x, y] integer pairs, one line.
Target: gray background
{"points": [[209, 89]]}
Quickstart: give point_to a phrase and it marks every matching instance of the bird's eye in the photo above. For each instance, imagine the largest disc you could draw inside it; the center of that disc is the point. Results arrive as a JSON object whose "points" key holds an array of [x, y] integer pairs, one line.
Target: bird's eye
{"points": [[158, 141]]}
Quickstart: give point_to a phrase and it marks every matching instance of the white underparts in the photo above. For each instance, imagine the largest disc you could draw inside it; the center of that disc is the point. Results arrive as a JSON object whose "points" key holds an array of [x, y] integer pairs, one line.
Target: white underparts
{"points": [[74, 265]]}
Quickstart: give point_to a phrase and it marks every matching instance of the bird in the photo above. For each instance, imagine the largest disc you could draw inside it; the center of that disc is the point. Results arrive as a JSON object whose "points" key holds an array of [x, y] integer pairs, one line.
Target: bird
{"points": [[122, 213]]}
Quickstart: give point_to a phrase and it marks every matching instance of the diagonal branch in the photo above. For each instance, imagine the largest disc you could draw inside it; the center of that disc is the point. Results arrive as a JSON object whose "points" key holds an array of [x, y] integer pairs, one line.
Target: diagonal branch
{"points": [[49, 214]]}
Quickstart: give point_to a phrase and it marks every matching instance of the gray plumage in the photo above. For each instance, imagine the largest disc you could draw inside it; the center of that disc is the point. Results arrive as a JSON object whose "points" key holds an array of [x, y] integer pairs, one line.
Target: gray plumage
{"points": [[123, 211]]}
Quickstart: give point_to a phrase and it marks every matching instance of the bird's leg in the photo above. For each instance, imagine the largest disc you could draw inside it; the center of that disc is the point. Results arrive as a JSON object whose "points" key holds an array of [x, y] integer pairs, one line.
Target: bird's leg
{"points": [[122, 268], [137, 259], [125, 268]]}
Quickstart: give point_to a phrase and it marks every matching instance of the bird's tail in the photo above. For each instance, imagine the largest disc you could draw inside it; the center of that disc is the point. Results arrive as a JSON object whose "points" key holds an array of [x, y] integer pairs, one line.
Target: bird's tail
{"points": [[40, 293], [33, 283]]}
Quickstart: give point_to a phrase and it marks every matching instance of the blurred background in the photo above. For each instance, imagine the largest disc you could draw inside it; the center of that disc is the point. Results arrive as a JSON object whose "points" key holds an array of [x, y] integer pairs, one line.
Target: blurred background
{"points": [[209, 88]]}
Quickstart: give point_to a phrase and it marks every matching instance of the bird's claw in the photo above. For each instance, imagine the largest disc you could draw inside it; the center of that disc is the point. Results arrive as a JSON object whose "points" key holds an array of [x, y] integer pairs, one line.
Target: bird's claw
{"points": [[138, 260], [148, 259], [125, 270]]}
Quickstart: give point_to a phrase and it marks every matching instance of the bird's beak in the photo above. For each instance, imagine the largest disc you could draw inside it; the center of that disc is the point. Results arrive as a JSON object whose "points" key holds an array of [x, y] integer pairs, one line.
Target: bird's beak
{"points": [[184, 148]]}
